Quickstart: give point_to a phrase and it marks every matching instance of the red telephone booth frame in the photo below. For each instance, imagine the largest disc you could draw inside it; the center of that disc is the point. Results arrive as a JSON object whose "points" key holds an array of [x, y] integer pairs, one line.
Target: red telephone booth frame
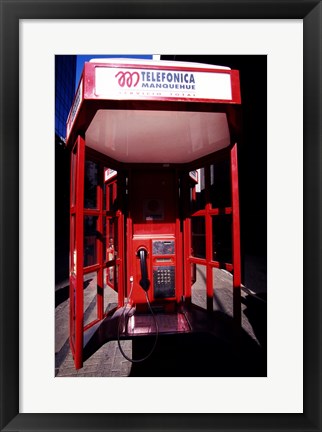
{"points": [[81, 114]]}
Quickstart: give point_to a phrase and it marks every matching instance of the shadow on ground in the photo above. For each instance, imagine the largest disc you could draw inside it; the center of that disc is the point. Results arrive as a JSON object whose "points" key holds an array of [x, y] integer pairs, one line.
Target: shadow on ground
{"points": [[198, 355], [62, 294], [256, 313], [216, 349]]}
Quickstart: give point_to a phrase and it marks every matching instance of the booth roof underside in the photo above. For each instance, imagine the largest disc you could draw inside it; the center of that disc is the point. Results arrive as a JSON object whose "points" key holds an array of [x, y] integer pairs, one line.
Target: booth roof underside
{"points": [[154, 112]]}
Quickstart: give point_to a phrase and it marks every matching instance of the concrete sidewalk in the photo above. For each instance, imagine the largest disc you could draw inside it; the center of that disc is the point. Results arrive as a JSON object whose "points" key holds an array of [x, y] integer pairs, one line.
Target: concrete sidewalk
{"points": [[178, 355]]}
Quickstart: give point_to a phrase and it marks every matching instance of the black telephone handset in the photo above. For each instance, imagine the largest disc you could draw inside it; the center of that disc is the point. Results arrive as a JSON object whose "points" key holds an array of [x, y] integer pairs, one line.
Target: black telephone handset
{"points": [[144, 282]]}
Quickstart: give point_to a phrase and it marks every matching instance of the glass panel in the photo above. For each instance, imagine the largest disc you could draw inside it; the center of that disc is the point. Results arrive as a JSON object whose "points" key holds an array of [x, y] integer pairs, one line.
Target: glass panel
{"points": [[198, 287], [105, 194], [198, 237], [72, 245], [90, 240], [197, 193], [90, 185], [223, 292], [111, 276], [73, 176], [222, 238], [110, 196], [90, 297], [110, 288], [110, 189], [72, 305], [111, 240], [220, 191]]}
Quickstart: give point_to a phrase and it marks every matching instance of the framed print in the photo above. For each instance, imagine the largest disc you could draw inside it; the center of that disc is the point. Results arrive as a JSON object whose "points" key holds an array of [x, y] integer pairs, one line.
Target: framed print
{"points": [[33, 398]]}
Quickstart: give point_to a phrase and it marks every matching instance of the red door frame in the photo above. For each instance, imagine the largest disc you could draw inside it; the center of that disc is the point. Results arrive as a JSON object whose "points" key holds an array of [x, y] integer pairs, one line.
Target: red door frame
{"points": [[77, 253], [77, 270], [208, 213], [236, 235]]}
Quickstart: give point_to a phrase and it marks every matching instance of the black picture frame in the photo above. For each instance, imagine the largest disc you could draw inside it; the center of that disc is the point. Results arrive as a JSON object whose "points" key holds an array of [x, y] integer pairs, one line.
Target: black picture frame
{"points": [[11, 12]]}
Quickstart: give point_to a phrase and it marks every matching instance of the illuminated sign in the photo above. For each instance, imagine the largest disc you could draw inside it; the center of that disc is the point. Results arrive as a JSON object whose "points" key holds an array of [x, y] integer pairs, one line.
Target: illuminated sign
{"points": [[131, 83]]}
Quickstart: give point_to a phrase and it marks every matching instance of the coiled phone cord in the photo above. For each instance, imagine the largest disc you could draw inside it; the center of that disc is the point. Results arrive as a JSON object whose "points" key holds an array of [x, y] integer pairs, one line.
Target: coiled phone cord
{"points": [[119, 327]]}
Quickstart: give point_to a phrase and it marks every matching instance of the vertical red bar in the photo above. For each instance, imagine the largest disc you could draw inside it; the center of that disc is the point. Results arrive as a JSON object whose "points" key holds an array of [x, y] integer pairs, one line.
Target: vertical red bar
{"points": [[186, 198], [235, 86], [120, 259], [210, 289], [187, 253], [236, 236], [179, 261], [79, 318], [179, 251], [129, 271], [194, 194], [129, 257], [71, 249], [99, 244], [118, 192], [208, 226]]}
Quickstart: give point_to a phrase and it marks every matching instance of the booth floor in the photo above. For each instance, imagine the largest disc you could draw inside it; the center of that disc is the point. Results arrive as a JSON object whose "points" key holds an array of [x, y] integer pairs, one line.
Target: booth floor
{"points": [[183, 354]]}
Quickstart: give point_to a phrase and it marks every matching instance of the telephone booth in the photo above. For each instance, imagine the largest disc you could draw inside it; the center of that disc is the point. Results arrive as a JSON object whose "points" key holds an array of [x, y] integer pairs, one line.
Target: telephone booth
{"points": [[153, 195]]}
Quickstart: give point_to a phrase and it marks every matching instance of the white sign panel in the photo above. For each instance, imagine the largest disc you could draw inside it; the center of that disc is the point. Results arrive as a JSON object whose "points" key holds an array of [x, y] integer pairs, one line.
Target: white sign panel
{"points": [[75, 108], [128, 83]]}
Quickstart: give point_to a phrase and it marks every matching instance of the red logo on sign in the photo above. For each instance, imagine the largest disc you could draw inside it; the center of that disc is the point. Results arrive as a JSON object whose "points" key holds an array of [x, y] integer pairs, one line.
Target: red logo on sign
{"points": [[128, 78]]}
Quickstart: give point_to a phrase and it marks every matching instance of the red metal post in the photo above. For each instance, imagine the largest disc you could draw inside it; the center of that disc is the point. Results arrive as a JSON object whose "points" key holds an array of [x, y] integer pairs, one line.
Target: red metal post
{"points": [[185, 193], [179, 262], [120, 259], [72, 270], [187, 253], [129, 271], [99, 245], [208, 226], [179, 251], [79, 317], [236, 236], [129, 254], [194, 194], [118, 194]]}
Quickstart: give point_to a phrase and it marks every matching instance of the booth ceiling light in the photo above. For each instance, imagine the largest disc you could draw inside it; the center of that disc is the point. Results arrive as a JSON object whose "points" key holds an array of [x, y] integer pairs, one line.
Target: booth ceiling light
{"points": [[136, 136]]}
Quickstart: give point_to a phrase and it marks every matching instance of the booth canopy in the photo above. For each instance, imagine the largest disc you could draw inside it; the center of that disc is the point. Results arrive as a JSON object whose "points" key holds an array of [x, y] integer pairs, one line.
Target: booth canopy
{"points": [[154, 111]]}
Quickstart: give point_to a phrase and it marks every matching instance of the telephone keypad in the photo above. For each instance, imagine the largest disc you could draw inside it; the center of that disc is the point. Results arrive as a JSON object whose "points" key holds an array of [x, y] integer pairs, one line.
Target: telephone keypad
{"points": [[164, 281]]}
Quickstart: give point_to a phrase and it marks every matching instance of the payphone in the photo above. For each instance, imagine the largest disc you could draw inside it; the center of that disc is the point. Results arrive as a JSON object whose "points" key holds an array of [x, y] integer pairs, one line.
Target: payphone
{"points": [[155, 267]]}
